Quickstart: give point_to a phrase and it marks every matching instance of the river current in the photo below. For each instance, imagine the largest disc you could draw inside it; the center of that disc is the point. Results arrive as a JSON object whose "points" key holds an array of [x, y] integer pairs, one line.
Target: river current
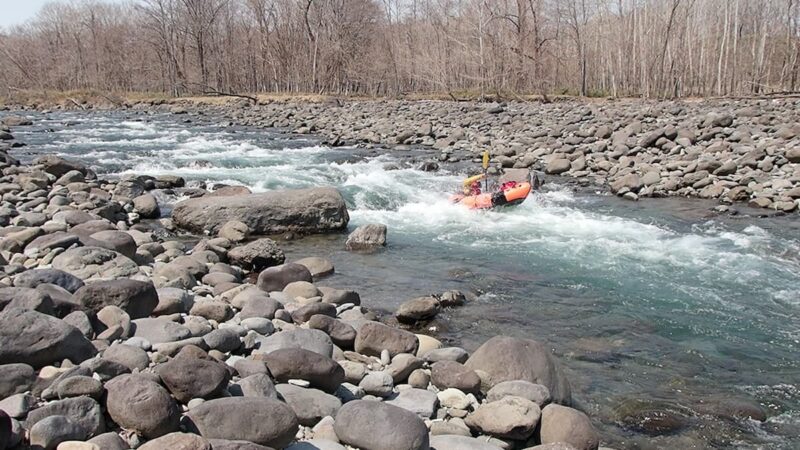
{"points": [[656, 308]]}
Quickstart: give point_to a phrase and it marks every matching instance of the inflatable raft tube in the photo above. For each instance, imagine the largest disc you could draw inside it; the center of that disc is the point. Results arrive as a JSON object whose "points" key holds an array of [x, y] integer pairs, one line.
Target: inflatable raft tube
{"points": [[512, 196]]}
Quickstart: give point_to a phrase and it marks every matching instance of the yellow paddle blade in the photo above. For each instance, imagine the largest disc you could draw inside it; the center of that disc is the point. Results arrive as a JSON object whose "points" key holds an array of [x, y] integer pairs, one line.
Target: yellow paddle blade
{"points": [[486, 160]]}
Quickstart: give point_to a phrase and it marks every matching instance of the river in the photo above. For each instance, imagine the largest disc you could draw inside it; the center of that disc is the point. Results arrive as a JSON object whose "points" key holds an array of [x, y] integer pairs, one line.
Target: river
{"points": [[657, 306]]}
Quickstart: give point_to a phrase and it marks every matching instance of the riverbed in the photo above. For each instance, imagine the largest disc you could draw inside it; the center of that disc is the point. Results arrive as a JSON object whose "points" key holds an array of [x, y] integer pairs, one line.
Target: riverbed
{"points": [[659, 306]]}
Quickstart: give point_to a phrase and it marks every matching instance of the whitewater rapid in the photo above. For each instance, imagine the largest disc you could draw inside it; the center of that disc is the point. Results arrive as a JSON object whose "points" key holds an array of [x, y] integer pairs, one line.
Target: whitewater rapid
{"points": [[711, 300]]}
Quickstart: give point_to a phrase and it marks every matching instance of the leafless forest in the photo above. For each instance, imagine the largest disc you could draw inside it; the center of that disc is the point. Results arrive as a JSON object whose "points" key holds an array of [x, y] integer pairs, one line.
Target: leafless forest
{"points": [[649, 48]]}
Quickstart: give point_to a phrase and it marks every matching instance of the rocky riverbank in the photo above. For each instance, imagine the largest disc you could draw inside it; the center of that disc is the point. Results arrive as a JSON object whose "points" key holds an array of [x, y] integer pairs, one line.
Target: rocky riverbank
{"points": [[728, 150], [118, 332]]}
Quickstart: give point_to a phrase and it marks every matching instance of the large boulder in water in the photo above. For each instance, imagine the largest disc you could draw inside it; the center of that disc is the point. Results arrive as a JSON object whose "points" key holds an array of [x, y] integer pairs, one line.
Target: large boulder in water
{"points": [[315, 210], [504, 358]]}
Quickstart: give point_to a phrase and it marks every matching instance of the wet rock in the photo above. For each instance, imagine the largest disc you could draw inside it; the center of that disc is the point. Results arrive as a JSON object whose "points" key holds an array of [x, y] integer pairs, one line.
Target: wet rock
{"points": [[315, 210], [319, 267], [136, 403], [263, 421], [379, 426], [505, 358], [367, 237], [147, 206], [422, 308]]}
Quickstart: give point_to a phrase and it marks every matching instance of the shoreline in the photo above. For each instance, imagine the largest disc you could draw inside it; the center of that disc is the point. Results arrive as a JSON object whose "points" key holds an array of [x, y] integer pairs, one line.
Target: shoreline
{"points": [[731, 151], [105, 322]]}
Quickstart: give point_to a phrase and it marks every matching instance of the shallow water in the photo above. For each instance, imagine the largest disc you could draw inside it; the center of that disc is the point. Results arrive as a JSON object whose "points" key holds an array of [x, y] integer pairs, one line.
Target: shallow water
{"points": [[652, 300]]}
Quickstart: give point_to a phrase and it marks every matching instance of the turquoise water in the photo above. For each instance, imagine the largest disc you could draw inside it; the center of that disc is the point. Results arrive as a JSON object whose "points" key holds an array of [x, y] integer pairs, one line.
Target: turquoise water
{"points": [[655, 300]]}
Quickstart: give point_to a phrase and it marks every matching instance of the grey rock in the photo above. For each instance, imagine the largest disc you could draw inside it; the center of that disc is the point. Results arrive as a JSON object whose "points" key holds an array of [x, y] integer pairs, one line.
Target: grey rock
{"points": [[188, 377], [319, 267], [109, 441], [257, 255], [95, 262], [310, 405], [262, 421], [304, 313], [374, 337], [454, 442], [297, 363], [450, 374], [117, 241], [39, 340], [278, 277], [342, 334], [51, 431], [313, 340], [505, 358], [563, 424], [534, 392], [35, 277], [379, 384], [134, 358], [255, 385], [419, 401], [367, 237], [137, 298], [414, 310], [379, 426], [136, 403], [79, 386], [456, 354], [509, 418], [160, 330], [26, 298], [16, 379], [305, 210], [83, 411], [147, 206]]}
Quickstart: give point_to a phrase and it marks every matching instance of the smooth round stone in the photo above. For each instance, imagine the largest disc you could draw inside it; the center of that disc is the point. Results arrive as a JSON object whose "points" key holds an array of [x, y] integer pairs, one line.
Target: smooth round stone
{"points": [[260, 325]]}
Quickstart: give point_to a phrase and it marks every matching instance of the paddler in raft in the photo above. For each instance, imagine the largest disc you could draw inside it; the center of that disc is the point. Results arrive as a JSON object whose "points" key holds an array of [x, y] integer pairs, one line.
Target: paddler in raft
{"points": [[509, 193]]}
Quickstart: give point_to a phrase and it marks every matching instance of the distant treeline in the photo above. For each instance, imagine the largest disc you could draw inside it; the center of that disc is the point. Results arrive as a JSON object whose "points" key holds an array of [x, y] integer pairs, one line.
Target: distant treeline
{"points": [[649, 48]]}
